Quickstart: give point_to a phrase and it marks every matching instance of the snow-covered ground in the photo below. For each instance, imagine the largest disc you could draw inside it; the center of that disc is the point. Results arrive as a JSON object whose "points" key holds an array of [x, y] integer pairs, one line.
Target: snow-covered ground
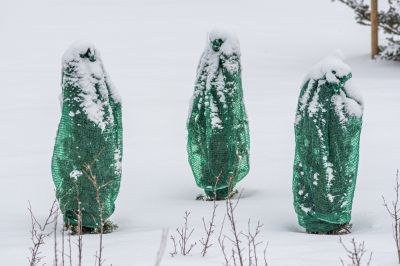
{"points": [[151, 50]]}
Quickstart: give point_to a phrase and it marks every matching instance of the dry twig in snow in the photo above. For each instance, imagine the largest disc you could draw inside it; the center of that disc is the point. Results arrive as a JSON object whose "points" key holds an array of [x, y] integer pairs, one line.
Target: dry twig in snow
{"points": [[38, 232], [355, 253]]}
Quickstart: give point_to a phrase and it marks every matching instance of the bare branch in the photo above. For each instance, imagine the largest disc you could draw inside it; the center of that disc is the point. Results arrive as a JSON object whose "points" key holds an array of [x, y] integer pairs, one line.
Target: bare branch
{"points": [[355, 253], [184, 234], [174, 252], [211, 224], [38, 232], [230, 209], [394, 212]]}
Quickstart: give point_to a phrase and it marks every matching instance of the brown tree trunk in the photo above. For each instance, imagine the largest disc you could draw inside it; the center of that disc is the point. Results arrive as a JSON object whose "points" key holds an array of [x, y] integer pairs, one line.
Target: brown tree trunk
{"points": [[374, 28]]}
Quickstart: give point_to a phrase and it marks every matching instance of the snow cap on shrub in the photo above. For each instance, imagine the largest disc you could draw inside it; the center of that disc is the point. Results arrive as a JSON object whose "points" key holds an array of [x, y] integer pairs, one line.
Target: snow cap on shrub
{"points": [[224, 41]]}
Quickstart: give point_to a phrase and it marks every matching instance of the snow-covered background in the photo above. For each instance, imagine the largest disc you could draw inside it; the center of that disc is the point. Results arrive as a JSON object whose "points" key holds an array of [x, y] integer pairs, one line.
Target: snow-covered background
{"points": [[151, 49]]}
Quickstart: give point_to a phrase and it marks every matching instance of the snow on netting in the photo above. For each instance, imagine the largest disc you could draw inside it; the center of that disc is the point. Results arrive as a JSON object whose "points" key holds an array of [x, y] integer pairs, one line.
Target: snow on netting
{"points": [[327, 131], [218, 133], [88, 150]]}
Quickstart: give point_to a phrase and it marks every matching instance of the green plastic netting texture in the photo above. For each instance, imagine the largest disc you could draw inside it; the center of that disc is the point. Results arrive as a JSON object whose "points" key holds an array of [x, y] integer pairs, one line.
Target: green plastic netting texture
{"points": [[327, 132], [86, 163], [218, 133]]}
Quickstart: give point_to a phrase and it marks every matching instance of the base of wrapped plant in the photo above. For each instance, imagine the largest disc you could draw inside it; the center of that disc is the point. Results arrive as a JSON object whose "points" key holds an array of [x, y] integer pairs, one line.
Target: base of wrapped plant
{"points": [[342, 229], [108, 227], [221, 194]]}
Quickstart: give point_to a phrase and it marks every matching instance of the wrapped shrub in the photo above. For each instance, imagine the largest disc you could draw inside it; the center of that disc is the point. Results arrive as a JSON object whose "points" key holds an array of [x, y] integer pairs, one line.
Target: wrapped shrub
{"points": [[218, 133], [327, 131], [86, 164]]}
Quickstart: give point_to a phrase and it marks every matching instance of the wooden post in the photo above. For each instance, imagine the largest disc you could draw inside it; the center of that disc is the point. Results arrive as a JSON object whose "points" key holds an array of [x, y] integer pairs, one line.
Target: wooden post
{"points": [[374, 28]]}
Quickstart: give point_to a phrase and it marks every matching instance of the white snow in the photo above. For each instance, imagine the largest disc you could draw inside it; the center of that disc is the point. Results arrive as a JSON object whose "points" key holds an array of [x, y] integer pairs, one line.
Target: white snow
{"points": [[215, 120], [305, 209], [332, 67], [91, 77], [306, 96], [314, 104], [221, 90], [329, 171], [210, 61], [230, 43], [347, 103], [331, 197], [118, 161], [151, 49], [75, 174]]}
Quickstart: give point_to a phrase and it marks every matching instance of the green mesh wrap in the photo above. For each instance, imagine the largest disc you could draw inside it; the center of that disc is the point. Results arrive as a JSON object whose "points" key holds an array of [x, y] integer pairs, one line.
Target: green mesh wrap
{"points": [[86, 164], [327, 131], [218, 133]]}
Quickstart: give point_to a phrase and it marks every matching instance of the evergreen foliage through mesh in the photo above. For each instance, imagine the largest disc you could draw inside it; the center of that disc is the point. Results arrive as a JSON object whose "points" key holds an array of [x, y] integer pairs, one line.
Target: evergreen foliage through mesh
{"points": [[218, 133], [327, 131], [86, 163]]}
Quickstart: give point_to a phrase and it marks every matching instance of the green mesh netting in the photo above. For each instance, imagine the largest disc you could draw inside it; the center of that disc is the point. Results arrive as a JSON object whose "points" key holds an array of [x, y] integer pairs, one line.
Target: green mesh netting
{"points": [[327, 131], [218, 133], [86, 163]]}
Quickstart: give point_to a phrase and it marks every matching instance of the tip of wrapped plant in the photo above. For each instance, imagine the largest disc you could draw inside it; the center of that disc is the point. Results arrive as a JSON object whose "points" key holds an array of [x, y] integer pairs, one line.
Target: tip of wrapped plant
{"points": [[224, 41]]}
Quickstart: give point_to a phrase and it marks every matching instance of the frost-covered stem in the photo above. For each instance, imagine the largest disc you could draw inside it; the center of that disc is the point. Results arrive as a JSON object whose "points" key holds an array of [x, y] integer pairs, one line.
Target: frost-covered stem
{"points": [[394, 212], [230, 209], [70, 249], [185, 235], [221, 241], [265, 255], [234, 257], [252, 242], [80, 242], [55, 241], [163, 244], [93, 179], [249, 252], [355, 253], [38, 233], [174, 252], [211, 224], [63, 245]]}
